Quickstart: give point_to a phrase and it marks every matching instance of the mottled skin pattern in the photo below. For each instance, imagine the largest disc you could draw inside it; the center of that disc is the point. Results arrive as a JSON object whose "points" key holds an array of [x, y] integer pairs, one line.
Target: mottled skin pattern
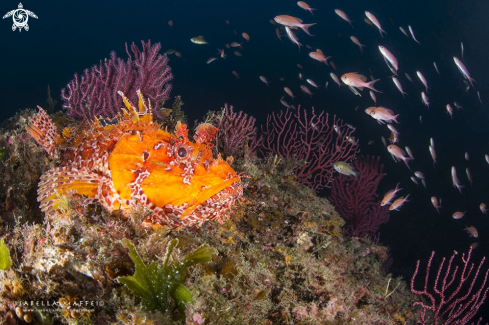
{"points": [[130, 159]]}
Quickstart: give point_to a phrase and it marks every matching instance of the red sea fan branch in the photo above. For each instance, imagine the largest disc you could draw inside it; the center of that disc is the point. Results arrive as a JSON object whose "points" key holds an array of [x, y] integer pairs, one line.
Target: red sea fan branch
{"points": [[356, 200], [454, 299], [313, 140], [235, 130], [94, 94]]}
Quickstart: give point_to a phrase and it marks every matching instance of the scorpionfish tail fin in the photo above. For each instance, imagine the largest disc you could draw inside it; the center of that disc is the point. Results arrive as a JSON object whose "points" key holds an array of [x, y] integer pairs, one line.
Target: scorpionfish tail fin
{"points": [[44, 131]]}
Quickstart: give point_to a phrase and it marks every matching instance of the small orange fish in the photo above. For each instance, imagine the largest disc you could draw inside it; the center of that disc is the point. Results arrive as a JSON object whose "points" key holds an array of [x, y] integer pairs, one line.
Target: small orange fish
{"points": [[357, 42], [305, 6], [382, 114], [292, 37], [236, 44], [289, 92], [399, 86], [262, 78], [434, 201], [343, 16], [359, 81], [237, 53], [277, 32], [398, 203], [306, 90], [319, 56], [389, 59], [170, 22], [235, 73], [374, 20], [221, 53], [390, 195], [293, 22], [472, 231], [455, 181], [130, 160], [425, 100], [398, 153], [246, 36], [483, 208], [458, 215]]}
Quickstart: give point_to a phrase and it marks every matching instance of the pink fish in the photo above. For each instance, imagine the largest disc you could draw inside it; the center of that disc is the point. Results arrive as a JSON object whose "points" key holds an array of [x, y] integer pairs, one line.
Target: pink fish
{"points": [[472, 231], [398, 153], [374, 98], [289, 92], [469, 175], [412, 34], [398, 203], [312, 83], [398, 85], [425, 100], [319, 56], [335, 79], [305, 6], [450, 111], [375, 22], [264, 79], [357, 42], [408, 150], [293, 22], [292, 37], [483, 208], [433, 155], [382, 114], [458, 215], [389, 59], [423, 80], [306, 90], [463, 70], [343, 16], [390, 195], [455, 181], [359, 81], [434, 201], [420, 175]]}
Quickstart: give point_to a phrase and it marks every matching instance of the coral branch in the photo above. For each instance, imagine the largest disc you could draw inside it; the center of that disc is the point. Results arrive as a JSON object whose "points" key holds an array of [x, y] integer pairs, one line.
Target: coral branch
{"points": [[313, 140], [356, 200], [235, 130], [448, 304], [95, 93]]}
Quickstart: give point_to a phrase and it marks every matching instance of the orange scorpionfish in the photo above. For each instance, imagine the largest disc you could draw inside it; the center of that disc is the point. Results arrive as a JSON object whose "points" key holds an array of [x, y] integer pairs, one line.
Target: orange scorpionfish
{"points": [[131, 159]]}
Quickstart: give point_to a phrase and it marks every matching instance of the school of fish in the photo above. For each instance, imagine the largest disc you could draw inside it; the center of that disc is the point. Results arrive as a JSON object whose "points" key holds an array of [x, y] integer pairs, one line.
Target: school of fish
{"points": [[298, 30]]}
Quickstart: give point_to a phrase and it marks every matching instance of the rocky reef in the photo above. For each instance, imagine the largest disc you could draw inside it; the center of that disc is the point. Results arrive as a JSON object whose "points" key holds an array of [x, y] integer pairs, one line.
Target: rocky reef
{"points": [[281, 257]]}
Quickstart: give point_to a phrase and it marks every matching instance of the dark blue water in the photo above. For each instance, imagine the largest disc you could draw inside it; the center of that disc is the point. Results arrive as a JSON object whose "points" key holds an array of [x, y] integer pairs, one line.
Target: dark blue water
{"points": [[69, 37]]}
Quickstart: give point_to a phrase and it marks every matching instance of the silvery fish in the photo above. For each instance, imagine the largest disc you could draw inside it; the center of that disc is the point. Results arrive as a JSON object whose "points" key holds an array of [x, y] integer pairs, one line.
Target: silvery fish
{"points": [[345, 169]]}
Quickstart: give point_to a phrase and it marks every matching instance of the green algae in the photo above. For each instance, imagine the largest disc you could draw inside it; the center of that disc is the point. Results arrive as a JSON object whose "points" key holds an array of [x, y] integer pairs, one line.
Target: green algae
{"points": [[156, 283]]}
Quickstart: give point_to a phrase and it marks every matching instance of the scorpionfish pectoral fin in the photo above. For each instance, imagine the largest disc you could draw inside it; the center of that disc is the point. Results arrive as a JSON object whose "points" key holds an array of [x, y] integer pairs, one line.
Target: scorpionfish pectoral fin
{"points": [[63, 181]]}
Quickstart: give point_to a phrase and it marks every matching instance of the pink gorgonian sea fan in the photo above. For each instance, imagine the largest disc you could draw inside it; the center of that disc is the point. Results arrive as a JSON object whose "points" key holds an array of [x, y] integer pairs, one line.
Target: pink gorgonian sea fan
{"points": [[95, 92]]}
